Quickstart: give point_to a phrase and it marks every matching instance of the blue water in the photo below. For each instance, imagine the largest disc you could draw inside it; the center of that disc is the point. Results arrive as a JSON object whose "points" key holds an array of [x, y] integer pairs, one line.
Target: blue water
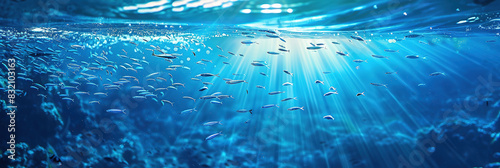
{"points": [[407, 83]]}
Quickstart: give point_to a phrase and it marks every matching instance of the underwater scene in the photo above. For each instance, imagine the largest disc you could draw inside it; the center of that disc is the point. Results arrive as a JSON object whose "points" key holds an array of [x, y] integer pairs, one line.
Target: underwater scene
{"points": [[250, 83]]}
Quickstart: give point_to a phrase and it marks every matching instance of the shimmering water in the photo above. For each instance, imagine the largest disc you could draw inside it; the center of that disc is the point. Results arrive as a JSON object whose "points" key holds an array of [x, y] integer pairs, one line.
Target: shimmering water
{"points": [[138, 84]]}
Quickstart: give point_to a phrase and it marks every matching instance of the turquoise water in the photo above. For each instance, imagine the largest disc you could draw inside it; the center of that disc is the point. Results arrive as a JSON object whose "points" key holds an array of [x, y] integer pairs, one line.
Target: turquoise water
{"points": [[251, 83]]}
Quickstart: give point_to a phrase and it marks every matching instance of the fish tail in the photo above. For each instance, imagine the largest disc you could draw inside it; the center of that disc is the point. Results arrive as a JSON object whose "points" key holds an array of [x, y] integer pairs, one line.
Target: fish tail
{"points": [[217, 75], [220, 123], [277, 106], [302, 108]]}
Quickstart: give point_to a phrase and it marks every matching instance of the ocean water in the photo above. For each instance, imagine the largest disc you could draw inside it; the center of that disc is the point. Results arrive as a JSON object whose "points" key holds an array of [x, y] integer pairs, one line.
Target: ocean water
{"points": [[250, 83]]}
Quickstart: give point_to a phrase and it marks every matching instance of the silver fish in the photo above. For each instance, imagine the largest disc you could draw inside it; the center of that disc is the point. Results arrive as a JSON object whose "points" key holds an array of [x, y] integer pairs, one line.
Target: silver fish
{"points": [[295, 108], [213, 136], [276, 92], [270, 105], [328, 117], [290, 98], [211, 123]]}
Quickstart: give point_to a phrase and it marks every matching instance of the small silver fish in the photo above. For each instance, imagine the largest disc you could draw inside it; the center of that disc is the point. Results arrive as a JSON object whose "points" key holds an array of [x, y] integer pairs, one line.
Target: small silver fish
{"points": [[380, 56], [187, 97], [211, 123], [330, 93], [342, 53], [213, 136], [437, 74], [276, 92], [379, 84], [412, 56], [215, 102], [357, 38], [288, 72], [116, 111], [295, 108], [270, 105], [203, 88], [290, 98], [328, 117]]}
